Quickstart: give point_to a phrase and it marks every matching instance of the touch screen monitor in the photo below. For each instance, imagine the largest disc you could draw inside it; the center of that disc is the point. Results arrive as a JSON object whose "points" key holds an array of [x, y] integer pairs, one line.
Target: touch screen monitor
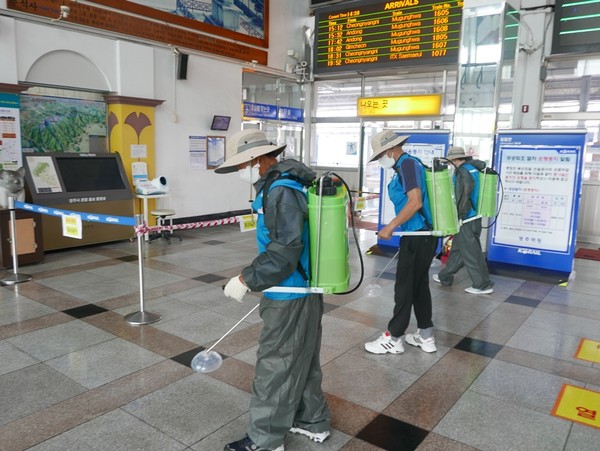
{"points": [[220, 122]]}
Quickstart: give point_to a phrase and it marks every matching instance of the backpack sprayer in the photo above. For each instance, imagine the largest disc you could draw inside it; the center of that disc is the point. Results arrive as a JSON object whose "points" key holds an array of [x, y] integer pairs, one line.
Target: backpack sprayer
{"points": [[442, 204], [328, 199]]}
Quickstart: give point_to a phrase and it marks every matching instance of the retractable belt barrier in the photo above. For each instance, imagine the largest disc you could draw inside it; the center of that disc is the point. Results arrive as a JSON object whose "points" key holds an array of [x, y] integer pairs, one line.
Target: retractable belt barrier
{"points": [[140, 317]]}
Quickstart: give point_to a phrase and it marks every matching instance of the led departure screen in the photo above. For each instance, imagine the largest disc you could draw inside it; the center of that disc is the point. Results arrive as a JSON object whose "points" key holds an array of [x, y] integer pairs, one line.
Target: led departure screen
{"points": [[576, 27], [374, 35]]}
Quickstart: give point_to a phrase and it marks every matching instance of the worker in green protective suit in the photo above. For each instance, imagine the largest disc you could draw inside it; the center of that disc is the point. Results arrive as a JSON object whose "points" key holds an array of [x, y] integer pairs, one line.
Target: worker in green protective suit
{"points": [[286, 393]]}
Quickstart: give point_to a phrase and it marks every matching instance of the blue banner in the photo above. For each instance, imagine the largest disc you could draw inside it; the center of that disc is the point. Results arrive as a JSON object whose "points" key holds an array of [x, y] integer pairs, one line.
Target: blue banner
{"points": [[91, 217], [540, 172], [260, 111], [291, 114]]}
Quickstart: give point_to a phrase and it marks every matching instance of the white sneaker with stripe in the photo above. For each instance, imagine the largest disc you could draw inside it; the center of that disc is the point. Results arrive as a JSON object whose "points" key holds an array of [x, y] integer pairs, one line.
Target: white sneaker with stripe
{"points": [[318, 437], [385, 344], [427, 345]]}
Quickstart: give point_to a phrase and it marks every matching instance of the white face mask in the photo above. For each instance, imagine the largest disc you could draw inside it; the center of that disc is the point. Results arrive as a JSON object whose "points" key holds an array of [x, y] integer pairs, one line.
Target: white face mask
{"points": [[249, 174], [386, 162]]}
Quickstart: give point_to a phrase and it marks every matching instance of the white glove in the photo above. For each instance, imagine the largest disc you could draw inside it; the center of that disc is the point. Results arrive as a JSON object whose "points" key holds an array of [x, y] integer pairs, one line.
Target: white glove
{"points": [[235, 289]]}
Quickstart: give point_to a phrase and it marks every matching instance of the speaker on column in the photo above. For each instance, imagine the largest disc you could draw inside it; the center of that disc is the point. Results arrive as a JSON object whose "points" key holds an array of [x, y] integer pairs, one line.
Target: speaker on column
{"points": [[182, 62]]}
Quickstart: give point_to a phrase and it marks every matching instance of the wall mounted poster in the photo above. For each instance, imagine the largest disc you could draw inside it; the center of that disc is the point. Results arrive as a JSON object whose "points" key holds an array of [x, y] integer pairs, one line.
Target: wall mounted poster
{"points": [[10, 133], [541, 178]]}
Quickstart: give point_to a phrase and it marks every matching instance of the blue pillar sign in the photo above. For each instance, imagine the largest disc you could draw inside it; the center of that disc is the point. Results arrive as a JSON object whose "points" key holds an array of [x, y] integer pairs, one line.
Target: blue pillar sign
{"points": [[425, 145], [541, 178]]}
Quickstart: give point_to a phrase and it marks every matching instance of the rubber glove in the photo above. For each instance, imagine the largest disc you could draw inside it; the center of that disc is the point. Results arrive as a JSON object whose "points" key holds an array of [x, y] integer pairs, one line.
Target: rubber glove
{"points": [[235, 289]]}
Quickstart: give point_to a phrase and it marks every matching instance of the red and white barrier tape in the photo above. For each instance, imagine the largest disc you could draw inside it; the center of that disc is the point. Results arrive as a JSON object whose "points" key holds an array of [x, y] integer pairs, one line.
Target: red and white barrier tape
{"points": [[143, 228]]}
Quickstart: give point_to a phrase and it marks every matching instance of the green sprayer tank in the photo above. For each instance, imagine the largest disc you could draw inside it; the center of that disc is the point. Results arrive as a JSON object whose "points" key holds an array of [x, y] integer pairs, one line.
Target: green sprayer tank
{"points": [[441, 199], [488, 186], [328, 228]]}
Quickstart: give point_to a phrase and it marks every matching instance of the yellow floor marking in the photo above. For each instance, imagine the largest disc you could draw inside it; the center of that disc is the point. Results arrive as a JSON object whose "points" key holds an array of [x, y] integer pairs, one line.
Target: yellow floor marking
{"points": [[588, 350], [579, 405]]}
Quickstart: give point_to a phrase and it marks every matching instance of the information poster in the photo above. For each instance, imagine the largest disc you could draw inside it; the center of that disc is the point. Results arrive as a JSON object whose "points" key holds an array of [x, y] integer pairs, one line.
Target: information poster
{"points": [[425, 145], [43, 173], [10, 132], [540, 172]]}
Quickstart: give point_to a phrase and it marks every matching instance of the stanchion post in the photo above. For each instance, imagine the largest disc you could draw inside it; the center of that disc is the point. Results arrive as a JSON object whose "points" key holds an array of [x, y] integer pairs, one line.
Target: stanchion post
{"points": [[142, 317], [15, 277]]}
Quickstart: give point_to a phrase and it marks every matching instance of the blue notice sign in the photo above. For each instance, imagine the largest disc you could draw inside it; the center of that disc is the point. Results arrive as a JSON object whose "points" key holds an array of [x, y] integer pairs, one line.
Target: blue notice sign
{"points": [[260, 110], [291, 114], [540, 172]]}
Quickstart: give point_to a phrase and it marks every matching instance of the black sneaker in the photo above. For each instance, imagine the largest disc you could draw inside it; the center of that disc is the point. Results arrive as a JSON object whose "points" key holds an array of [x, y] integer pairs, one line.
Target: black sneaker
{"points": [[246, 444]]}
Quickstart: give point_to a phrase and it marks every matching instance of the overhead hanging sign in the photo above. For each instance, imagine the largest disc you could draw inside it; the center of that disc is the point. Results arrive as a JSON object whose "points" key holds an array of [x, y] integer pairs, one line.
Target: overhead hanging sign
{"points": [[374, 34], [419, 105], [540, 172]]}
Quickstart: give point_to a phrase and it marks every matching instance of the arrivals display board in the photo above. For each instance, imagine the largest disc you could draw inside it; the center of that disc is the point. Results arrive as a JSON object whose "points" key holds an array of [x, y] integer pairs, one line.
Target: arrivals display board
{"points": [[540, 172], [375, 34], [576, 27], [423, 144]]}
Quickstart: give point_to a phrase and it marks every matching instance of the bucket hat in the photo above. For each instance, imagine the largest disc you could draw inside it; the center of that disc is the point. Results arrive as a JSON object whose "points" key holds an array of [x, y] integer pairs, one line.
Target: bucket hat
{"points": [[455, 153], [245, 146], [385, 140]]}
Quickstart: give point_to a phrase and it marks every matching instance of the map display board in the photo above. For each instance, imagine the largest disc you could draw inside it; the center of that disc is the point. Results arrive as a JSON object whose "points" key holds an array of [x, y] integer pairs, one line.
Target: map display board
{"points": [[540, 172], [375, 34], [425, 145]]}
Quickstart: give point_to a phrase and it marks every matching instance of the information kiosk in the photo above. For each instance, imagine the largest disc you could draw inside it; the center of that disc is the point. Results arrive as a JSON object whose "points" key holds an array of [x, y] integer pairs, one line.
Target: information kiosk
{"points": [[87, 183]]}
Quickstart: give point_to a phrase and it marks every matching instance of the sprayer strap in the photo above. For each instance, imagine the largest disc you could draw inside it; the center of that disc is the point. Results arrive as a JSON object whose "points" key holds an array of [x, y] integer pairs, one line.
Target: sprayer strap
{"points": [[472, 219], [419, 233], [307, 290]]}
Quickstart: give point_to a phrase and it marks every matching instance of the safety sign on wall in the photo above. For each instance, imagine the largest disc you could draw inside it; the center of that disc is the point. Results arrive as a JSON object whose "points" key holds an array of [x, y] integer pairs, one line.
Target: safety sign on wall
{"points": [[540, 172]]}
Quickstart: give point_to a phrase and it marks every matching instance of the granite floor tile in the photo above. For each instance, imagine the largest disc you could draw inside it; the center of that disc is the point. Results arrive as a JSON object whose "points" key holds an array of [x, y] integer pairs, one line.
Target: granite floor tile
{"points": [[347, 416], [88, 287], [391, 433], [32, 388], [48, 296], [551, 343], [201, 328], [236, 374], [567, 324], [434, 394], [525, 387], [21, 309], [577, 371], [515, 428], [501, 324], [436, 442], [104, 362], [23, 327], [51, 342], [148, 337], [13, 358], [359, 380], [582, 438], [533, 290], [457, 400], [113, 430], [191, 408], [58, 418], [357, 444]]}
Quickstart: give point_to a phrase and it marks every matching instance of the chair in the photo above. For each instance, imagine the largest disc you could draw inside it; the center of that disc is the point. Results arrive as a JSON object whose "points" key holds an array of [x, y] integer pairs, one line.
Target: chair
{"points": [[161, 216]]}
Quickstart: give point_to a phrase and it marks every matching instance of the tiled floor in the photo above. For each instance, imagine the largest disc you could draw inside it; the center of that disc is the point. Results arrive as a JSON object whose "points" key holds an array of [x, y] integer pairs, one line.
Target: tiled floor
{"points": [[74, 375]]}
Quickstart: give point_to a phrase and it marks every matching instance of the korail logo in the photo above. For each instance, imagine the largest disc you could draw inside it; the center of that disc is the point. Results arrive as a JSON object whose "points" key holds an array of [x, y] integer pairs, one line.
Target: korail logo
{"points": [[522, 250]]}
